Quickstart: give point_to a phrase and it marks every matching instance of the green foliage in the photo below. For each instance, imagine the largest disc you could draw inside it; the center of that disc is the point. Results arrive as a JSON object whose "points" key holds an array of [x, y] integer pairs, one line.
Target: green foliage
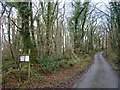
{"points": [[8, 63], [51, 63], [113, 58], [72, 62], [48, 64], [12, 71], [86, 55]]}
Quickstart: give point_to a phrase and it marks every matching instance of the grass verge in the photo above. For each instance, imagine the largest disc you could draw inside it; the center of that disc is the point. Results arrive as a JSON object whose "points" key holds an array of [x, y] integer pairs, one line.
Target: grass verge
{"points": [[112, 58]]}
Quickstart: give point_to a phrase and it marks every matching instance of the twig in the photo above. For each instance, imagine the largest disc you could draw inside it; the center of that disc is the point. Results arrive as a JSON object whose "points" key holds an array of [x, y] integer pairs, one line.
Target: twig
{"points": [[16, 26]]}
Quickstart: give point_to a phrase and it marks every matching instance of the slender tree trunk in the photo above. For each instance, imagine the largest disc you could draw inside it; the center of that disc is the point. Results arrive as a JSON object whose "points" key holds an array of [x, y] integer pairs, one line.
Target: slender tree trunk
{"points": [[12, 54], [75, 37], [32, 27], [0, 46], [48, 29]]}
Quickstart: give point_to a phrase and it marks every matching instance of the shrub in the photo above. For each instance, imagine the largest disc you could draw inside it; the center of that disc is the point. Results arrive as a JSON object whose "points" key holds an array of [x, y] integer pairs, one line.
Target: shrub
{"points": [[6, 64], [71, 62], [52, 63], [48, 64]]}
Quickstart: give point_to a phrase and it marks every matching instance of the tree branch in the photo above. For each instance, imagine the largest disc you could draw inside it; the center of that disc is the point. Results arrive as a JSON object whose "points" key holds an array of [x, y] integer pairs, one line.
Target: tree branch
{"points": [[16, 26]]}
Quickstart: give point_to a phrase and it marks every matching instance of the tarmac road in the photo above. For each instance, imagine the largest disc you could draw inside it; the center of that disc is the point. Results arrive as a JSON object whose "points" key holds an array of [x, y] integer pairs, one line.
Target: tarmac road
{"points": [[100, 75]]}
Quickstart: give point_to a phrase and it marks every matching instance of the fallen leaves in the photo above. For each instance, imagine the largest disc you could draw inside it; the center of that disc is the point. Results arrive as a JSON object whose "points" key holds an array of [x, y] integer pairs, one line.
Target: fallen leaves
{"points": [[65, 77]]}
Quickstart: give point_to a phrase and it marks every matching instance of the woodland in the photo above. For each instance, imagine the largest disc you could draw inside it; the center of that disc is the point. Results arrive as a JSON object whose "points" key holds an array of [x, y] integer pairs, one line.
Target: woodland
{"points": [[60, 38]]}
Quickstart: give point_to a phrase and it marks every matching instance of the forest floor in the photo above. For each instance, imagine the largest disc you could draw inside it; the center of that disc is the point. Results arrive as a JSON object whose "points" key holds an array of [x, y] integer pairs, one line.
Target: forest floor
{"points": [[66, 77], [95, 70]]}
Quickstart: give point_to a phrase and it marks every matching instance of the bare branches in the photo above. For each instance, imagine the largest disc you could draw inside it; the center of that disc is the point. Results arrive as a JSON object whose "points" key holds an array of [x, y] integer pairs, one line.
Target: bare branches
{"points": [[4, 9], [42, 6], [16, 25], [103, 12]]}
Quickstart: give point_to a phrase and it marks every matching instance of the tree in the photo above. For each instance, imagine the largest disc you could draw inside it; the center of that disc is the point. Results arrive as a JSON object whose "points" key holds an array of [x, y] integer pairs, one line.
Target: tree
{"points": [[78, 20]]}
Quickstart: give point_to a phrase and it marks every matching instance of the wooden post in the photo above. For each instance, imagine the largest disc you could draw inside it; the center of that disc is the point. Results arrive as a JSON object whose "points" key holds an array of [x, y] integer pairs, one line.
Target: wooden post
{"points": [[29, 71], [29, 67], [20, 72], [20, 75]]}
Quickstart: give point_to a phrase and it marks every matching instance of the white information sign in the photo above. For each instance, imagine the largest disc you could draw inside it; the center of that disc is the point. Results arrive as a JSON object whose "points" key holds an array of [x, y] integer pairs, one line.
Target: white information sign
{"points": [[24, 58]]}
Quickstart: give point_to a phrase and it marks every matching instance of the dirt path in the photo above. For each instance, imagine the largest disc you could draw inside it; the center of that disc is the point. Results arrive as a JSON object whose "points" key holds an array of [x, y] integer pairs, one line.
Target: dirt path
{"points": [[100, 75]]}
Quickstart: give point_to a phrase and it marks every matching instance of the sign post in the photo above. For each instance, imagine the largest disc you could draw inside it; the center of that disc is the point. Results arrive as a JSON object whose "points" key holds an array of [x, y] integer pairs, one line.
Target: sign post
{"points": [[29, 67], [24, 58]]}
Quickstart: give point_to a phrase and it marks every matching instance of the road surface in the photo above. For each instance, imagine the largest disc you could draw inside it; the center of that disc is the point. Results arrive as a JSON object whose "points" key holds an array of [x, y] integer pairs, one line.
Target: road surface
{"points": [[100, 75]]}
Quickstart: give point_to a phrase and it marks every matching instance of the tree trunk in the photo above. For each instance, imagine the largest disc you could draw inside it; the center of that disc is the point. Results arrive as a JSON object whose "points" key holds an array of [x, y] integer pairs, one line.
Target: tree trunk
{"points": [[32, 27], [48, 29], [12, 54]]}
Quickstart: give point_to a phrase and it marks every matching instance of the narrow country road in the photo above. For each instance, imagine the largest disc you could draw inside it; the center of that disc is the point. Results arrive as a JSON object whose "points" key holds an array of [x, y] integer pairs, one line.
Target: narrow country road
{"points": [[100, 75]]}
